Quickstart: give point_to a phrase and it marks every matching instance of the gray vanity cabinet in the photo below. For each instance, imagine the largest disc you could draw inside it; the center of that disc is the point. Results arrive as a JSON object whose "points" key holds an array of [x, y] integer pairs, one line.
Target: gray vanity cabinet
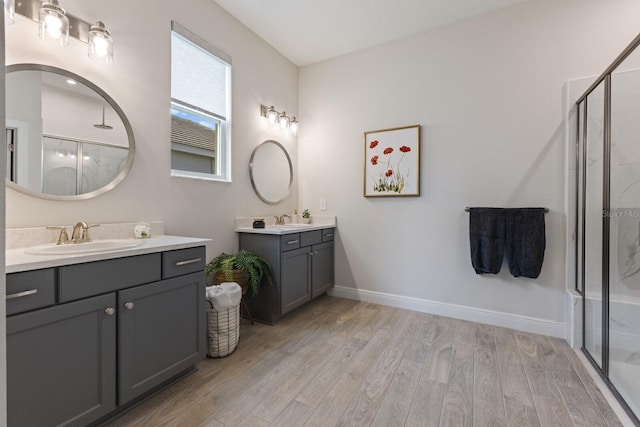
{"points": [[160, 333], [61, 365], [322, 268], [302, 266], [101, 334], [294, 276]]}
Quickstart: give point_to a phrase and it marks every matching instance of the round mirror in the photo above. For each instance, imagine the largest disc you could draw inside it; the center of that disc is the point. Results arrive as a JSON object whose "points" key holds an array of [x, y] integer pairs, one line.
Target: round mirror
{"points": [[67, 139], [271, 172]]}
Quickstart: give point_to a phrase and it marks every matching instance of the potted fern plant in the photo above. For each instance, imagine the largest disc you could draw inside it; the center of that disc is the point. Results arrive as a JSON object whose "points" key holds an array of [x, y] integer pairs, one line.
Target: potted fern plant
{"points": [[245, 268]]}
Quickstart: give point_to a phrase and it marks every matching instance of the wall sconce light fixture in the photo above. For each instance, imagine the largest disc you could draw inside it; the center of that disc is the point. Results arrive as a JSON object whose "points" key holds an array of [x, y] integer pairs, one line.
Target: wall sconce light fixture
{"points": [[9, 11], [54, 22], [273, 116]]}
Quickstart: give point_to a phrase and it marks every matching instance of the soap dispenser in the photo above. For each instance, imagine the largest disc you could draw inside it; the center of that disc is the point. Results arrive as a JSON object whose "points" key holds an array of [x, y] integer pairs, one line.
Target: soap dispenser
{"points": [[295, 219]]}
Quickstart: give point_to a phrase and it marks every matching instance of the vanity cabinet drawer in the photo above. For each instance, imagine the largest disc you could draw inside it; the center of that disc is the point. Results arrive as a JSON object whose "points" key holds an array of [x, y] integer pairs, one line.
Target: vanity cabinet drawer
{"points": [[95, 278], [30, 290], [183, 261], [289, 242], [309, 238], [327, 234]]}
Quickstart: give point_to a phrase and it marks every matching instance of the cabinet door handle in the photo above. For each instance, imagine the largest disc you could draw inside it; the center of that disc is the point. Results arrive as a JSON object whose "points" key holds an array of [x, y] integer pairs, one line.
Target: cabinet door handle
{"points": [[311, 253], [292, 242], [189, 261], [110, 311], [129, 306], [22, 294], [328, 235]]}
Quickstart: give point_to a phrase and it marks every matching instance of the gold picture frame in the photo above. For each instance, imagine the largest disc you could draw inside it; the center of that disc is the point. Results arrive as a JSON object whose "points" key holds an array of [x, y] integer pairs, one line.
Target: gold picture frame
{"points": [[392, 162]]}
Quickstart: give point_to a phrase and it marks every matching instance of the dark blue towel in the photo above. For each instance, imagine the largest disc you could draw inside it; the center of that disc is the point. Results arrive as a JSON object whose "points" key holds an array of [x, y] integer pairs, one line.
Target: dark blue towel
{"points": [[525, 242], [486, 236]]}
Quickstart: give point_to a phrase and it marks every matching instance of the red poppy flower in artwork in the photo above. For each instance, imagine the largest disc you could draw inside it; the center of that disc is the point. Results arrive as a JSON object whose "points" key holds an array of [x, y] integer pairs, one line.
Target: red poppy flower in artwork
{"points": [[388, 150], [405, 149], [374, 160], [373, 143], [389, 173]]}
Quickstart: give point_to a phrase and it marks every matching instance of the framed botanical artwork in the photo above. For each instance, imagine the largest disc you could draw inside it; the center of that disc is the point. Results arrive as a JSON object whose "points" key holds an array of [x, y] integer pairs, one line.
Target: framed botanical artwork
{"points": [[392, 162]]}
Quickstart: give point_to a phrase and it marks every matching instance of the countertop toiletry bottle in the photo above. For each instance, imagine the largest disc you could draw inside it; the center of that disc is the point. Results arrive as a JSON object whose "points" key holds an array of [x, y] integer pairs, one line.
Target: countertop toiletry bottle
{"points": [[295, 219]]}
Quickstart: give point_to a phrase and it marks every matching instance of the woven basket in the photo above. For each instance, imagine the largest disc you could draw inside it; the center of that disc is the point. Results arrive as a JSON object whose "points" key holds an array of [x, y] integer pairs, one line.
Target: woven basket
{"points": [[238, 277], [223, 330]]}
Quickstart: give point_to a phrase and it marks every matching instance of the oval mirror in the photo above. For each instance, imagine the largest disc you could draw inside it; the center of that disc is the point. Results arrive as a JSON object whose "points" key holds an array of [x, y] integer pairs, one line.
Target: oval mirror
{"points": [[67, 139], [271, 172]]}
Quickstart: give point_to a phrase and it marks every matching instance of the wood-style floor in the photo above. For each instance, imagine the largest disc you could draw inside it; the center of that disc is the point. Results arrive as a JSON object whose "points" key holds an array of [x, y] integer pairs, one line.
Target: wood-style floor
{"points": [[341, 362]]}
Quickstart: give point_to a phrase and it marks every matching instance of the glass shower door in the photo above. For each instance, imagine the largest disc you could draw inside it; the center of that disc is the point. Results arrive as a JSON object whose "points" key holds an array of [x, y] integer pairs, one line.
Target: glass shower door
{"points": [[624, 265]]}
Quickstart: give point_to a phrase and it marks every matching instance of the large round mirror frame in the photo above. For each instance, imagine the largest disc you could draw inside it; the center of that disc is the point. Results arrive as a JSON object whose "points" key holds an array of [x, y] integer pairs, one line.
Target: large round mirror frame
{"points": [[116, 108], [251, 173]]}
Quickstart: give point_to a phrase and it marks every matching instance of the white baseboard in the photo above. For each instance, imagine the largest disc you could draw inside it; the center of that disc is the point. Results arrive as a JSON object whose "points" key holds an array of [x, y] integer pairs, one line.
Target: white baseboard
{"points": [[495, 318]]}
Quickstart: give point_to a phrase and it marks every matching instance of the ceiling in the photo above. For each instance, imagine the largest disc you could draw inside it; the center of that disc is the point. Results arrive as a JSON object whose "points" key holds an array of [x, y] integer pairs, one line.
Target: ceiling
{"points": [[308, 31]]}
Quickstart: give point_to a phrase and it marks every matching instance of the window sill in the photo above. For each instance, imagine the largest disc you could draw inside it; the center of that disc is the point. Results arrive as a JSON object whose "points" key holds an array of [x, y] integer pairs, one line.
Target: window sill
{"points": [[201, 177]]}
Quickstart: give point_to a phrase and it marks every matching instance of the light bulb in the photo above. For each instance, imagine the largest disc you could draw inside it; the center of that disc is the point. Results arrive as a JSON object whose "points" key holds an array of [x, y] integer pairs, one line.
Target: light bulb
{"points": [[272, 115], [284, 120], [293, 126], [100, 43], [53, 23]]}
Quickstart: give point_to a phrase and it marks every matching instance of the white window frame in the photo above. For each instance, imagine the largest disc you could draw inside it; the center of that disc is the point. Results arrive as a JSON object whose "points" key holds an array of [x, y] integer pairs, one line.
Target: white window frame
{"points": [[224, 150]]}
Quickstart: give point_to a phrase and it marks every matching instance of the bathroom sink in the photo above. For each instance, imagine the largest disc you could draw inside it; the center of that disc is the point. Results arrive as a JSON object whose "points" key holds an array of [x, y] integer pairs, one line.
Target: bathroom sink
{"points": [[95, 246]]}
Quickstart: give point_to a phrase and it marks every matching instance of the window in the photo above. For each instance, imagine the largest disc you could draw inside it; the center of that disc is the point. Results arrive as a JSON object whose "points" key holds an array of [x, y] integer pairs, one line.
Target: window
{"points": [[200, 108]]}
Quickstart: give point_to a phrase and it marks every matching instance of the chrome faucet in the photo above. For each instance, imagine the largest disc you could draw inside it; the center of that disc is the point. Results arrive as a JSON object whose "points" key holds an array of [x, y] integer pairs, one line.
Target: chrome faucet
{"points": [[280, 219]]}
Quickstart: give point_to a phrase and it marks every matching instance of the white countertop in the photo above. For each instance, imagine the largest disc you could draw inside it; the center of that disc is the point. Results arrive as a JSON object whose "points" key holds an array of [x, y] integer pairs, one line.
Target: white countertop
{"points": [[16, 260], [245, 225], [285, 229]]}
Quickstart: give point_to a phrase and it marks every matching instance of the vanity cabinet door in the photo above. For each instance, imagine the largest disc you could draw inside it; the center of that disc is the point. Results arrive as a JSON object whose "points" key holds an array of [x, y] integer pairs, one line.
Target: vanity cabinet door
{"points": [[61, 363], [321, 268], [161, 332], [296, 280]]}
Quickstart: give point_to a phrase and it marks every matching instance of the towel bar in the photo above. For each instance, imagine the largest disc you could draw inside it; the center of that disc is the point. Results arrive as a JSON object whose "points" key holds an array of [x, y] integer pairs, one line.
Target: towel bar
{"points": [[546, 210]]}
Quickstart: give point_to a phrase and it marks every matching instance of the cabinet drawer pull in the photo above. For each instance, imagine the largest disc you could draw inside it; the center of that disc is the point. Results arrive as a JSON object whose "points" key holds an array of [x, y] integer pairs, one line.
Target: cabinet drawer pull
{"points": [[189, 261], [110, 311], [328, 235], [292, 242], [22, 294]]}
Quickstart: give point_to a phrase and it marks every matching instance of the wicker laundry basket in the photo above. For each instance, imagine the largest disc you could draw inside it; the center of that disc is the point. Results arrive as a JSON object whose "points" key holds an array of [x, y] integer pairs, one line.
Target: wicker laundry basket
{"points": [[223, 330]]}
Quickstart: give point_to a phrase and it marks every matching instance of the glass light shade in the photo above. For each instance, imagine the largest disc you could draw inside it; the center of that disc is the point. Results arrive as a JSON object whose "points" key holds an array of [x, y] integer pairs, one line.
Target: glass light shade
{"points": [[53, 23], [272, 115], [100, 43], [284, 120], [293, 125], [9, 11]]}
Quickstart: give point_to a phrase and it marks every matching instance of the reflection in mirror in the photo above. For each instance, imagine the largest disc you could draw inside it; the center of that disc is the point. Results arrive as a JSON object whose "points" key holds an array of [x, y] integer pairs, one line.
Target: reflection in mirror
{"points": [[271, 172], [66, 138]]}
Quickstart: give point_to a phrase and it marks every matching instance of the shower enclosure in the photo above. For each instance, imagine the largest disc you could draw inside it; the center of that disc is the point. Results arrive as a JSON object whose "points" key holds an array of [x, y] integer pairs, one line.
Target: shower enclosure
{"points": [[608, 225]]}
